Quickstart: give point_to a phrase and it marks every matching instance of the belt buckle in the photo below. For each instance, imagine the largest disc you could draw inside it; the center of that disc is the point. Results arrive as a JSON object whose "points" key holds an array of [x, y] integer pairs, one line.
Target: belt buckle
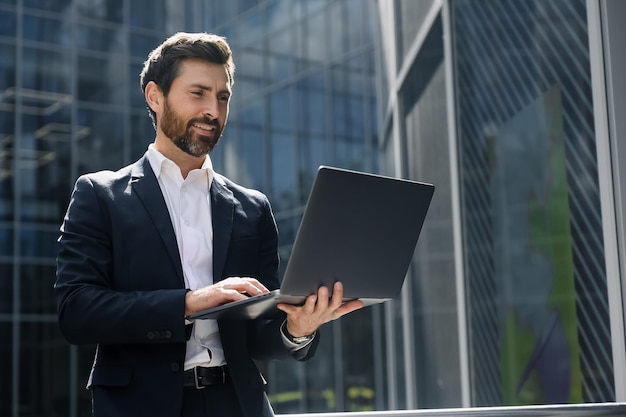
{"points": [[196, 379]]}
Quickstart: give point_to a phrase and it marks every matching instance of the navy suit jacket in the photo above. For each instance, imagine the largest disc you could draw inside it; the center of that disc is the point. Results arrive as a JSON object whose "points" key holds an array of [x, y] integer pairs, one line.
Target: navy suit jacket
{"points": [[120, 286]]}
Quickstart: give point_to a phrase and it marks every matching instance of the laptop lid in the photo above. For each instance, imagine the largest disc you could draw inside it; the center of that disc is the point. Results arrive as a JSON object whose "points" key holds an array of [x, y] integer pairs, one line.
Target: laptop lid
{"points": [[357, 228]]}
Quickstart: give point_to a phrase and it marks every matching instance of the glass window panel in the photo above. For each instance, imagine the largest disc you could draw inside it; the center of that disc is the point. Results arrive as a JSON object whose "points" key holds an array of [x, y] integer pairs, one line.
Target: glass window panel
{"points": [[6, 290], [137, 97], [411, 16], [45, 73], [99, 79], [336, 26], [315, 38], [321, 395], [141, 45], [6, 358], [102, 146], [7, 141], [6, 240], [47, 30], [313, 153], [281, 109], [44, 159], [7, 23], [59, 6], [535, 262], [252, 167], [283, 171], [278, 14], [109, 10], [37, 284], [94, 38], [44, 377], [252, 114], [38, 243], [350, 155], [149, 14], [358, 365], [226, 10], [142, 134]]}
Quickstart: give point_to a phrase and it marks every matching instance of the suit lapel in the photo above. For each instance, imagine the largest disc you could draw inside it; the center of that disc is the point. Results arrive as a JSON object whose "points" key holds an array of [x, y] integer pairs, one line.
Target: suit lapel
{"points": [[222, 209], [146, 186]]}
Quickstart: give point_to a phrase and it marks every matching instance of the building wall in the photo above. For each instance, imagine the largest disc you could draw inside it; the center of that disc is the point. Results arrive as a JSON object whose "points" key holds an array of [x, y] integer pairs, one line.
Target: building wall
{"points": [[70, 103], [501, 104]]}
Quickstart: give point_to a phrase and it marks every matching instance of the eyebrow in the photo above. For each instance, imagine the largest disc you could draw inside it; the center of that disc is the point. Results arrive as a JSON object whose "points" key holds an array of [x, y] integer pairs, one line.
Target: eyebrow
{"points": [[207, 88]]}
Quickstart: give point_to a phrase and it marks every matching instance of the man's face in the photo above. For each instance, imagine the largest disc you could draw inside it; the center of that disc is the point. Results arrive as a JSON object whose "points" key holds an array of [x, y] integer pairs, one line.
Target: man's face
{"points": [[196, 108]]}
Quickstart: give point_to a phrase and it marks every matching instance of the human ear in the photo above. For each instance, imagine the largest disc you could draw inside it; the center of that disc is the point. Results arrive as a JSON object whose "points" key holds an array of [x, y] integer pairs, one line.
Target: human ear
{"points": [[154, 96]]}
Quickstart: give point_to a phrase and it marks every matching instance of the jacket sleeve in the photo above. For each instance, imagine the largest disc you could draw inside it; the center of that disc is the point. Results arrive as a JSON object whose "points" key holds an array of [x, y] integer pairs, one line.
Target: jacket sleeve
{"points": [[90, 308]]}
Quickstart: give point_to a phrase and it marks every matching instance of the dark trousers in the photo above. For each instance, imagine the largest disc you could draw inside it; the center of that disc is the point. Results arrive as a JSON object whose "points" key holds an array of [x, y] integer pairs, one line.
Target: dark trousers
{"points": [[212, 401]]}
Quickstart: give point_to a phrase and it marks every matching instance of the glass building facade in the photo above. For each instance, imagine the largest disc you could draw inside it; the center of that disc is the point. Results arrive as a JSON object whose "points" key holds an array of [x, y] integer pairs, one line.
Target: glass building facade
{"points": [[70, 103], [510, 108], [515, 293]]}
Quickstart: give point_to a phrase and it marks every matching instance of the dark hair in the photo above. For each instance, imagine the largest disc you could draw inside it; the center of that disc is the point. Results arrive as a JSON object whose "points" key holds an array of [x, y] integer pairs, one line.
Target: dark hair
{"points": [[163, 63]]}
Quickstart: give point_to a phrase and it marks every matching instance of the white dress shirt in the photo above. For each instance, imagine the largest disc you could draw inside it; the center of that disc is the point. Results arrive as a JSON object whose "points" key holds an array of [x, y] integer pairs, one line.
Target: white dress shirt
{"points": [[189, 204]]}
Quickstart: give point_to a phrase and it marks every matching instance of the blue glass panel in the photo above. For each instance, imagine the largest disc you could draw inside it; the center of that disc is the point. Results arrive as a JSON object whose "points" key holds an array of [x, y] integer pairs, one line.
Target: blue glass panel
{"points": [[535, 254], [149, 14], [281, 109], [252, 151], [142, 134], [6, 337], [102, 39], [47, 30], [141, 44], [109, 10], [102, 146], [283, 171], [45, 165], [45, 72], [100, 79], [44, 356], [40, 243], [6, 289], [7, 23], [6, 240], [59, 6]]}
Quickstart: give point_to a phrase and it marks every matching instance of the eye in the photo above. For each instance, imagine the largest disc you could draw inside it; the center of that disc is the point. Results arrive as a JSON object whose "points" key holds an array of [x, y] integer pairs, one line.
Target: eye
{"points": [[197, 93], [224, 98]]}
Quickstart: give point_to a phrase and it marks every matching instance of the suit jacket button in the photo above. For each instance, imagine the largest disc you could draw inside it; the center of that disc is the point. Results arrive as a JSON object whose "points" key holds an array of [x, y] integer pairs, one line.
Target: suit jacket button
{"points": [[150, 335], [175, 367], [168, 334]]}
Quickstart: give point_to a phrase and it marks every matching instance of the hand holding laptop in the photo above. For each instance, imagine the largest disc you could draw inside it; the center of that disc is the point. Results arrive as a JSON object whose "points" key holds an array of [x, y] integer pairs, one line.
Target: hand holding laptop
{"points": [[318, 309]]}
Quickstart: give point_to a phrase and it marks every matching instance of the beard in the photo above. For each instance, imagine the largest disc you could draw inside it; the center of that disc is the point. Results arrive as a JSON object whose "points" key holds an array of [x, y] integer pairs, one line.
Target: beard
{"points": [[182, 135]]}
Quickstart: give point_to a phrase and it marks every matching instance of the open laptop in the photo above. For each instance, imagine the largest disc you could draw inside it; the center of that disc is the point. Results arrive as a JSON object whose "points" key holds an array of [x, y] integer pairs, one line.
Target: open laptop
{"points": [[357, 228]]}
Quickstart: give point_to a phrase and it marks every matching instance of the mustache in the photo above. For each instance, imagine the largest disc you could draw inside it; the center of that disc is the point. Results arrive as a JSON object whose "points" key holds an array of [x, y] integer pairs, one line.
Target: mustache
{"points": [[205, 120]]}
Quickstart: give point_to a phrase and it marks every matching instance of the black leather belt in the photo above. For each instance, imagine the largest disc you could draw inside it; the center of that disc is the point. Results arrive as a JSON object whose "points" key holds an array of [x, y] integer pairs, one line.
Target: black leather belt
{"points": [[201, 377]]}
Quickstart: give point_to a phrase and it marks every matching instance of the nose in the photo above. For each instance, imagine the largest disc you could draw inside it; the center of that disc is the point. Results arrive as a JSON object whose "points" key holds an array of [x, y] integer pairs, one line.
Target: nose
{"points": [[211, 108]]}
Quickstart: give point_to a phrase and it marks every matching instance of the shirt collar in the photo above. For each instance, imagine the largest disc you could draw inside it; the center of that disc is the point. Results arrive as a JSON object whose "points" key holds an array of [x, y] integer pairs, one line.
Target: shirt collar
{"points": [[157, 160]]}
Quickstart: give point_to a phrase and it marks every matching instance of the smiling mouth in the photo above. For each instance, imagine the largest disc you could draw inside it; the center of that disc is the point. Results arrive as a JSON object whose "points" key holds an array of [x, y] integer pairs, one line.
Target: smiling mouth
{"points": [[204, 127]]}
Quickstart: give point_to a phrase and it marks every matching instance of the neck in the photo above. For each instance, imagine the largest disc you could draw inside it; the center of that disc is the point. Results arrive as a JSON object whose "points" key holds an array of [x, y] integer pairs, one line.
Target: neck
{"points": [[185, 162]]}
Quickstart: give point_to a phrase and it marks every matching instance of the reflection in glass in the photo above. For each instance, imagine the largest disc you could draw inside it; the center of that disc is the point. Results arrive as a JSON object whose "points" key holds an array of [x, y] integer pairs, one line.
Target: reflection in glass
{"points": [[7, 24], [47, 30], [102, 147], [6, 351], [44, 381], [45, 72], [99, 80], [94, 38], [108, 10], [535, 257], [36, 281]]}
